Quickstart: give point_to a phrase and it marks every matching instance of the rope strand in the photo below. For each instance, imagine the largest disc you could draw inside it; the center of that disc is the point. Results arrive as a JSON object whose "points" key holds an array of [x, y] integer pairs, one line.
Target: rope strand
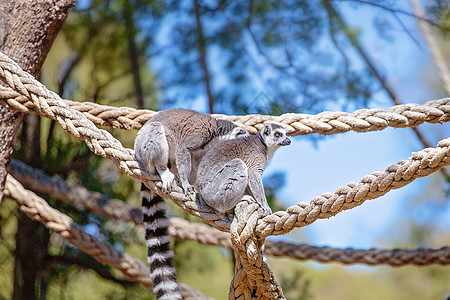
{"points": [[119, 210], [102, 143], [248, 229], [38, 209], [325, 123]]}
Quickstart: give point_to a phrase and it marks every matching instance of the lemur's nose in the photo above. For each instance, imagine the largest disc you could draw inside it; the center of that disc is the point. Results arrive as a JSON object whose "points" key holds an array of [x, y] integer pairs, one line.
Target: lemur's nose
{"points": [[286, 142]]}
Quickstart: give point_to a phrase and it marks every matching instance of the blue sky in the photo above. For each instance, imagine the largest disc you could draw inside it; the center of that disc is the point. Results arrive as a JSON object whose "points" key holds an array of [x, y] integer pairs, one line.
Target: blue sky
{"points": [[339, 159], [348, 157], [343, 158]]}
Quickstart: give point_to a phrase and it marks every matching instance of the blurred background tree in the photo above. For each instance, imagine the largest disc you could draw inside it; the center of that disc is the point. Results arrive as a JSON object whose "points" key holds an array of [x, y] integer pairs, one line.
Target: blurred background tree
{"points": [[233, 57]]}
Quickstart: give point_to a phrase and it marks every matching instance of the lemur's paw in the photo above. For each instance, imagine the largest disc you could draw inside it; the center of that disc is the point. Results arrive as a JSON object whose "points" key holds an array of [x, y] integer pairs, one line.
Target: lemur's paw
{"points": [[167, 180], [188, 189]]}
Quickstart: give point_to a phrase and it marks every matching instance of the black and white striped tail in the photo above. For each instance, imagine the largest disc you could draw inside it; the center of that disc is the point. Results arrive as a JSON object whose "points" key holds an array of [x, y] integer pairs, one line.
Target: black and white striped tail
{"points": [[159, 255]]}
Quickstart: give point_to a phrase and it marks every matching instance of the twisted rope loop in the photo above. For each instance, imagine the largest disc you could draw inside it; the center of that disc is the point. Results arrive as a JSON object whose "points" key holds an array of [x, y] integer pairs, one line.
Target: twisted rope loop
{"points": [[249, 228], [253, 275]]}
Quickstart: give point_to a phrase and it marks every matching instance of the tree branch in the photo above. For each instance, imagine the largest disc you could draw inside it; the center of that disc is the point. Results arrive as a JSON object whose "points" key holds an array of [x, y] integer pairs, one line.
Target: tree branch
{"points": [[76, 257], [364, 55], [202, 56], [408, 32], [133, 54], [395, 11], [436, 54]]}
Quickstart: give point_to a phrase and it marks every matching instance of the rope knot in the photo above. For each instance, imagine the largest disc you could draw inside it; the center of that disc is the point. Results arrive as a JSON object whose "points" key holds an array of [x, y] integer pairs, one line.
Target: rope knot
{"points": [[253, 276]]}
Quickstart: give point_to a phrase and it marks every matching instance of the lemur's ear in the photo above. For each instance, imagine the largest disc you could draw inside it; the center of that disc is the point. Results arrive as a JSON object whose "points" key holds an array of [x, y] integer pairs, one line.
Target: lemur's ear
{"points": [[266, 130], [243, 132]]}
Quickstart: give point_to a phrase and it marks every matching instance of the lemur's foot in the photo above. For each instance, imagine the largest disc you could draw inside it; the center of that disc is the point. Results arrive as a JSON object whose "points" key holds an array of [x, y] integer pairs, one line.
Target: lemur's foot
{"points": [[167, 179], [188, 189]]}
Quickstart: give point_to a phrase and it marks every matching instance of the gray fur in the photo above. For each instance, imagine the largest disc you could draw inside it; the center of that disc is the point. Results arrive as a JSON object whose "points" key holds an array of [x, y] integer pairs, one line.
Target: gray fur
{"points": [[233, 168], [172, 142], [179, 138]]}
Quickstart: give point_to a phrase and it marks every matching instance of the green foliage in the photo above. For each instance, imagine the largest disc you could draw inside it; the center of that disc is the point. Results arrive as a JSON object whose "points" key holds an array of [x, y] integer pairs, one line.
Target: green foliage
{"points": [[440, 10], [98, 58], [8, 227], [275, 48], [77, 283], [332, 281], [206, 268], [263, 56], [296, 286]]}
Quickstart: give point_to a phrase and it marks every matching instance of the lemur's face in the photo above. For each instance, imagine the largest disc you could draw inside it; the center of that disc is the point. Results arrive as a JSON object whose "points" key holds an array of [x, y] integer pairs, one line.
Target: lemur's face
{"points": [[275, 135], [280, 138]]}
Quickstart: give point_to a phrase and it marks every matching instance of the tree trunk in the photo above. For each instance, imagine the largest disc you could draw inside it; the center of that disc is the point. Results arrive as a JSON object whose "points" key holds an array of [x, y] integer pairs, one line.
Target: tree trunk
{"points": [[202, 48], [27, 30], [133, 53], [383, 82]]}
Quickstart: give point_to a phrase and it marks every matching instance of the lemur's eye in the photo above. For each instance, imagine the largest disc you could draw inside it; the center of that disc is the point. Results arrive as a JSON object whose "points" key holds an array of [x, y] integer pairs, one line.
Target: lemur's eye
{"points": [[277, 134]]}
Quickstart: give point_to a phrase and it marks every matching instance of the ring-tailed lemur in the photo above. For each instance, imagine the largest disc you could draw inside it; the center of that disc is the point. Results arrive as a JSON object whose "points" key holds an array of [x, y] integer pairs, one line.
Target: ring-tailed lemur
{"points": [[233, 168], [172, 142]]}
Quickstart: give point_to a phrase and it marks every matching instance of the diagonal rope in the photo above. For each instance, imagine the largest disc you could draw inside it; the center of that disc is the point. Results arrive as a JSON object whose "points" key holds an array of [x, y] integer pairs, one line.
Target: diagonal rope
{"points": [[207, 235], [258, 275], [325, 123], [421, 164], [77, 195], [99, 141], [38, 209], [119, 210], [371, 257], [248, 229]]}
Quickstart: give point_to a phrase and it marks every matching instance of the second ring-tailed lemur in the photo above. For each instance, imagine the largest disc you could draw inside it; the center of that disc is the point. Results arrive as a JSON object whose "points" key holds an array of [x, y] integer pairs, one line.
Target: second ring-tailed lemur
{"points": [[233, 168], [172, 142]]}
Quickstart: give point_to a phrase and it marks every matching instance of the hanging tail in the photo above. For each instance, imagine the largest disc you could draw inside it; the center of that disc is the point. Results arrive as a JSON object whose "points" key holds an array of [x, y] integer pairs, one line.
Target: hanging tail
{"points": [[159, 255]]}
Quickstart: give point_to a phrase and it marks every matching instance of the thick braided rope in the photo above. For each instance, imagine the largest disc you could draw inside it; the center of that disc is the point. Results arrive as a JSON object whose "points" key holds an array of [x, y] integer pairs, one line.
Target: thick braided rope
{"points": [[182, 229], [102, 143], [420, 164], [249, 259], [99, 141], [207, 235], [371, 257], [77, 195], [326, 123], [240, 287], [38, 209], [326, 205]]}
